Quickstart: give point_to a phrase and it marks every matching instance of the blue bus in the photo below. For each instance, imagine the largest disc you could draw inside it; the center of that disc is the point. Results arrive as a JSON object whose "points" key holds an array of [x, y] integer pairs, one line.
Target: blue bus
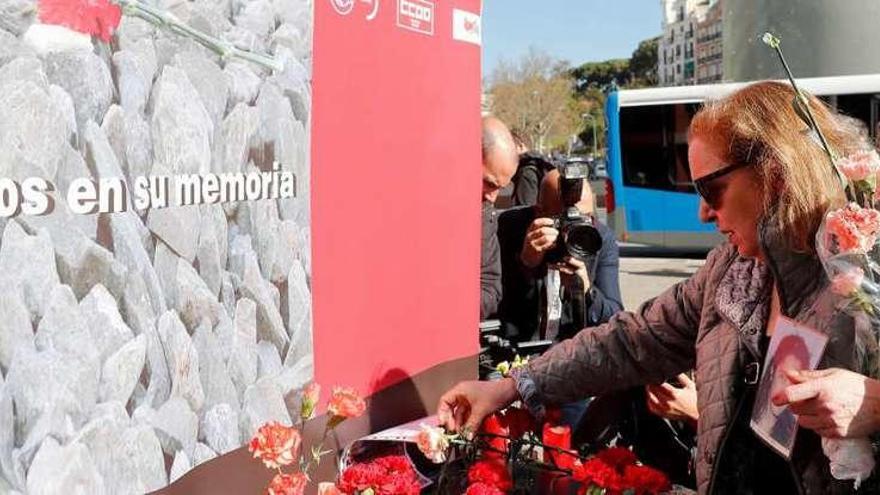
{"points": [[649, 197]]}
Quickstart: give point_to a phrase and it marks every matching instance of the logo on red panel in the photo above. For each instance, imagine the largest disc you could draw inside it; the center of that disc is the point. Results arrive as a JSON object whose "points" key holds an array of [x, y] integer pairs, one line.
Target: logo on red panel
{"points": [[466, 26], [342, 7], [416, 15]]}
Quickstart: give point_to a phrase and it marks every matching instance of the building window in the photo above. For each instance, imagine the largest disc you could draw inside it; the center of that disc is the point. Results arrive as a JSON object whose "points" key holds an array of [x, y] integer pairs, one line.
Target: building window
{"points": [[678, 68]]}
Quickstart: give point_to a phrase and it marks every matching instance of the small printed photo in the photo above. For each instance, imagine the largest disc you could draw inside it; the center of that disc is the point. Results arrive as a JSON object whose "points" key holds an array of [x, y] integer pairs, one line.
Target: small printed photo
{"points": [[792, 347]]}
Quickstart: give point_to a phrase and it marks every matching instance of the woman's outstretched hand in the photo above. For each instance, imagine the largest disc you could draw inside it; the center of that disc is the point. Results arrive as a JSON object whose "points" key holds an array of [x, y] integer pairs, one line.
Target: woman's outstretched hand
{"points": [[463, 407]]}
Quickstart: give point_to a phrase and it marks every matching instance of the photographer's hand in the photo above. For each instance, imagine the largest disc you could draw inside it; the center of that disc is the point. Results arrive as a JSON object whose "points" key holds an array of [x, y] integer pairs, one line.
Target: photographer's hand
{"points": [[540, 238], [574, 267]]}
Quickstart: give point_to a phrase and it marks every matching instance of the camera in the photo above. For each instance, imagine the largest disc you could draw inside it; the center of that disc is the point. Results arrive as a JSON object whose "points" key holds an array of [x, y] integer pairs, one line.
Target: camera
{"points": [[578, 237]]}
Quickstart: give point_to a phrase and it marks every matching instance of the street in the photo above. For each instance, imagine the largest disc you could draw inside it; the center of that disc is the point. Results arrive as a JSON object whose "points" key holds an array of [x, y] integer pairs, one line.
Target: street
{"points": [[644, 278]]}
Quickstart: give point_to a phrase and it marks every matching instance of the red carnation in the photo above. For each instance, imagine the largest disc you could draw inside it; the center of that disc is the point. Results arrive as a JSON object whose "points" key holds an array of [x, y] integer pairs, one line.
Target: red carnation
{"points": [[359, 477], [617, 457], [645, 480], [390, 475], [518, 421], [483, 489], [596, 472], [556, 436], [94, 17], [492, 473], [398, 484], [495, 430]]}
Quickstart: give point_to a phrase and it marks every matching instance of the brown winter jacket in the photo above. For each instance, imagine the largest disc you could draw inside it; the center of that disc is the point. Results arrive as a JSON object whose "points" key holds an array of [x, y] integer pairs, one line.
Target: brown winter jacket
{"points": [[712, 323]]}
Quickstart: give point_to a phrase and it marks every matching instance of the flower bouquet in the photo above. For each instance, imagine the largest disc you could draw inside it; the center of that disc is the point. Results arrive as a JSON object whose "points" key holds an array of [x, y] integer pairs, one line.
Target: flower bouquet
{"points": [[846, 243], [512, 454], [278, 445]]}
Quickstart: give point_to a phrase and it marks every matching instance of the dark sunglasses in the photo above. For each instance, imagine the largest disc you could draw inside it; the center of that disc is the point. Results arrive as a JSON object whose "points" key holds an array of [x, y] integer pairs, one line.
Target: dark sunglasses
{"points": [[708, 187]]}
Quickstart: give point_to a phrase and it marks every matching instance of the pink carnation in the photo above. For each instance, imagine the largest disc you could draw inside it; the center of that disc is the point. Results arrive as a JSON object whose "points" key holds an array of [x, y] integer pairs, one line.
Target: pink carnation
{"points": [[848, 282], [853, 228], [860, 166]]}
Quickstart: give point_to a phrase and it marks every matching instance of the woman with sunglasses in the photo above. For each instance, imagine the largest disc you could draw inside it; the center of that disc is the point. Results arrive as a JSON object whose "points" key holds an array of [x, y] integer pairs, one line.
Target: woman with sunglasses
{"points": [[766, 184]]}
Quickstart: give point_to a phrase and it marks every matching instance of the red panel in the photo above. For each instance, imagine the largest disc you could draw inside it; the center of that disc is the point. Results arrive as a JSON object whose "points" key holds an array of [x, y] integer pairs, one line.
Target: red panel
{"points": [[395, 194]]}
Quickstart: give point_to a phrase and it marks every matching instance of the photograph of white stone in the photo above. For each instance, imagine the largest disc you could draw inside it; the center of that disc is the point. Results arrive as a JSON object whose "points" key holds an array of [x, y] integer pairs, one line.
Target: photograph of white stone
{"points": [[154, 313]]}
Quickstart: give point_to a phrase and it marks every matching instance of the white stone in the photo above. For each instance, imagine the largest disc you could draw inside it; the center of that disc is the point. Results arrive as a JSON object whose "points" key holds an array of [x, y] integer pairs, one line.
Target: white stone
{"points": [[207, 79], [220, 429], [215, 379], [141, 444], [135, 68], [68, 469], [64, 104], [28, 262], [203, 454], [181, 127], [294, 378], [269, 360], [52, 392], [81, 262], [176, 426], [104, 164], [243, 361], [52, 38], [263, 402], [299, 301], [108, 329], [24, 69], [86, 78], [32, 146], [243, 83], [290, 36], [122, 371], [178, 227], [129, 458], [227, 292], [64, 328], [180, 466], [15, 328], [194, 300], [243, 262], [183, 361], [7, 438], [208, 259], [139, 313], [165, 262], [238, 131], [257, 17], [130, 250]]}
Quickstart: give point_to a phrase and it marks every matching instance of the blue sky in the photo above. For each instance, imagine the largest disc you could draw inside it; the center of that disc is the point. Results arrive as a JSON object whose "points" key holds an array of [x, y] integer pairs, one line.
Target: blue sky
{"points": [[577, 31]]}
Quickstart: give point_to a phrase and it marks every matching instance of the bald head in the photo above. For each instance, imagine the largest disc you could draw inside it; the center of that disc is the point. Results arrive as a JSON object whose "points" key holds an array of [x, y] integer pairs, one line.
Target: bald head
{"points": [[499, 157], [549, 198]]}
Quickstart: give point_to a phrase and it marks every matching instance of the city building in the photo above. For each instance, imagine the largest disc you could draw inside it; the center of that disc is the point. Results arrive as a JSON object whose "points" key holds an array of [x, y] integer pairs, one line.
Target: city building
{"points": [[709, 45], [677, 58]]}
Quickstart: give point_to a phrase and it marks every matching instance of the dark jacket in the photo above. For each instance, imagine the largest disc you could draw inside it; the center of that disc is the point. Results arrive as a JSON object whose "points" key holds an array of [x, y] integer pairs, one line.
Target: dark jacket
{"points": [[522, 288], [490, 263], [712, 323], [527, 179]]}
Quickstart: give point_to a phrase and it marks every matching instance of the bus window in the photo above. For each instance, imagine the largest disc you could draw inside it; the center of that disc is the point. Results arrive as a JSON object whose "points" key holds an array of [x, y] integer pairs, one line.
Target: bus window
{"points": [[653, 142]]}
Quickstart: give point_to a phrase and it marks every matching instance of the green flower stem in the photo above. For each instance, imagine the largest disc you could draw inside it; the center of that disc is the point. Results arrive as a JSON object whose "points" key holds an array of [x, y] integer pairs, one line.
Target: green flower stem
{"points": [[225, 49], [774, 43]]}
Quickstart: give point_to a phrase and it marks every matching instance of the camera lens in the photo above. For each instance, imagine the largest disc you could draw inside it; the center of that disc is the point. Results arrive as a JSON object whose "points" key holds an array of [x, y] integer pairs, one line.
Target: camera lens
{"points": [[582, 240]]}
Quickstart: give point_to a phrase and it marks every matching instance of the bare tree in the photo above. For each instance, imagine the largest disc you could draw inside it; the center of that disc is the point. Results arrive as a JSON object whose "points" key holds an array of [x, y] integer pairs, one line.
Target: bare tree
{"points": [[534, 96]]}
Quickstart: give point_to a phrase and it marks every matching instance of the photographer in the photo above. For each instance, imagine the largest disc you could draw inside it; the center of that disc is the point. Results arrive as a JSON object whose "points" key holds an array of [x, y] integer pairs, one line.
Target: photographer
{"points": [[588, 288]]}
